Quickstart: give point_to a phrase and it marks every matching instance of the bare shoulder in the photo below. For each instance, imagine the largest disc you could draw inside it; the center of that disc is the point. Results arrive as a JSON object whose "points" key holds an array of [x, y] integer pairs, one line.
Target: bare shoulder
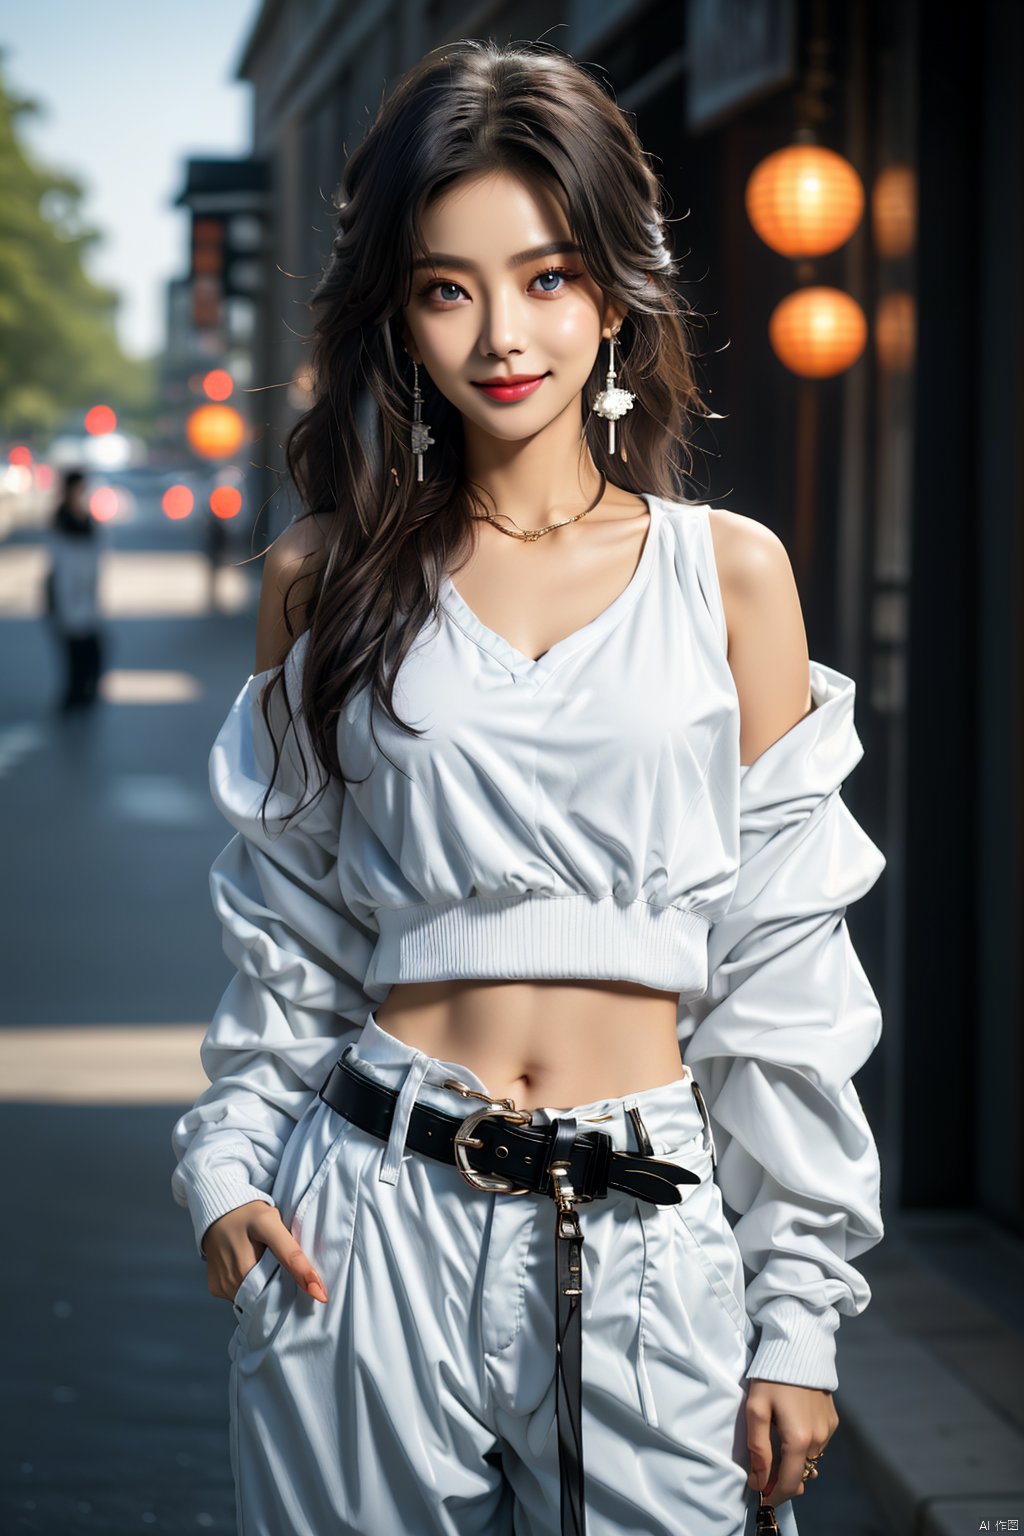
{"points": [[290, 570], [743, 547], [768, 651]]}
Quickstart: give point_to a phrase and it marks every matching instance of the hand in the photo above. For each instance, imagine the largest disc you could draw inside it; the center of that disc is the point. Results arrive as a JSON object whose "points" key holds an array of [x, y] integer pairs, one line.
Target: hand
{"points": [[236, 1241], [806, 1420]]}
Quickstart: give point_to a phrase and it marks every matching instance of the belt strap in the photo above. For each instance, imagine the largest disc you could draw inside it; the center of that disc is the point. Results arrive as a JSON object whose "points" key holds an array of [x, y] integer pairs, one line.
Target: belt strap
{"points": [[516, 1154], [499, 1151]]}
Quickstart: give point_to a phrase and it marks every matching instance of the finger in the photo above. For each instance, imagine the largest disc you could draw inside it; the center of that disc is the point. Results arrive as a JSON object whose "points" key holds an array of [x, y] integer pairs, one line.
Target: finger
{"points": [[817, 1449], [759, 1445], [790, 1480], [267, 1227], [299, 1266]]}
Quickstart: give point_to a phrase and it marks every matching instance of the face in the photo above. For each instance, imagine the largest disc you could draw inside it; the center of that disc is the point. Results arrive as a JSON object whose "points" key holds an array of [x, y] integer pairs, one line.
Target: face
{"points": [[492, 315]]}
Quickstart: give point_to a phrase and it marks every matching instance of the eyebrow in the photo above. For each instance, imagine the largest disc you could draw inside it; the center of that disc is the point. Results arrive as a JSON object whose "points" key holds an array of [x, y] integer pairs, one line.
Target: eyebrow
{"points": [[553, 248]]}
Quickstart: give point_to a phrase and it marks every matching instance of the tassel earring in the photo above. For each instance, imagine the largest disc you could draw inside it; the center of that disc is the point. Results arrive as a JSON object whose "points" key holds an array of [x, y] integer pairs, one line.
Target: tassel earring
{"points": [[421, 438], [612, 402]]}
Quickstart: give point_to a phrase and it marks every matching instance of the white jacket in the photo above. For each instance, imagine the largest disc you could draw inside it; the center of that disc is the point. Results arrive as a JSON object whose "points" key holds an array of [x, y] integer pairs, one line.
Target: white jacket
{"points": [[556, 818], [788, 1018]]}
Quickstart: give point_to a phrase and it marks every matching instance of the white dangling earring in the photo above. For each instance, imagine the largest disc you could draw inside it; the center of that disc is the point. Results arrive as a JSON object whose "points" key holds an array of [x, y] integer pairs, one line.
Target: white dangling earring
{"points": [[421, 438], [612, 403]]}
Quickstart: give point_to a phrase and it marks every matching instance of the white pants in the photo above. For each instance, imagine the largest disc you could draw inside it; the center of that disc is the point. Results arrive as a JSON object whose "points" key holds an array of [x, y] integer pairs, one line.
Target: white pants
{"points": [[420, 1401]]}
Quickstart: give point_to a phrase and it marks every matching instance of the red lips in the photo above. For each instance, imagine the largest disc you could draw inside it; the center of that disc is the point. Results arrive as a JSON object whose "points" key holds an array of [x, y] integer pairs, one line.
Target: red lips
{"points": [[512, 378], [516, 387]]}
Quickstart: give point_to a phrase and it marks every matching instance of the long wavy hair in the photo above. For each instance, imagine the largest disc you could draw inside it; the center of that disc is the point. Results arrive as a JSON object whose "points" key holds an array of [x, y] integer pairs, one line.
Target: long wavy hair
{"points": [[386, 540]]}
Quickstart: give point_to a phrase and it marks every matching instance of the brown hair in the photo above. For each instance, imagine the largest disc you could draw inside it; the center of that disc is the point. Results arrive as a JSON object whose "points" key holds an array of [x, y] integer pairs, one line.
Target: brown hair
{"points": [[466, 108]]}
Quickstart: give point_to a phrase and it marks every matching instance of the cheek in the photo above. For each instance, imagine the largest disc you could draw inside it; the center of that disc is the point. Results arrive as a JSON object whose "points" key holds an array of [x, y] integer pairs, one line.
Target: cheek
{"points": [[445, 346], [573, 334]]}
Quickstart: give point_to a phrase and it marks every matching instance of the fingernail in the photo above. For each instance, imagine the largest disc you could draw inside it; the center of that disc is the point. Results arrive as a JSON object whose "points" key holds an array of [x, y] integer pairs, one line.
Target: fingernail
{"points": [[316, 1290]]}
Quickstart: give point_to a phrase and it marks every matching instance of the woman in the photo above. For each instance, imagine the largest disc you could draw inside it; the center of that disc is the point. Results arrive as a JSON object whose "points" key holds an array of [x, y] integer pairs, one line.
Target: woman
{"points": [[454, 1168], [72, 592]]}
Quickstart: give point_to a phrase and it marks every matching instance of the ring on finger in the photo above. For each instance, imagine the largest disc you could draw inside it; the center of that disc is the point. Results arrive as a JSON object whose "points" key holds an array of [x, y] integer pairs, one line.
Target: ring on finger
{"points": [[810, 1467]]}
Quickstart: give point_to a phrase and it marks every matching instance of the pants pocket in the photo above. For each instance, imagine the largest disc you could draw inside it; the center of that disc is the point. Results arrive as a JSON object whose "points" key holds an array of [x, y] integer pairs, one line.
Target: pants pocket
{"points": [[712, 1243], [254, 1280], [309, 1154], [694, 1333]]}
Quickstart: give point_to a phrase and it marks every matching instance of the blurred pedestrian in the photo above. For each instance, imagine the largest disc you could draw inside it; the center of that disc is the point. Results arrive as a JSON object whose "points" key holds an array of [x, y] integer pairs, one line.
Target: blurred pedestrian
{"points": [[217, 551], [73, 592]]}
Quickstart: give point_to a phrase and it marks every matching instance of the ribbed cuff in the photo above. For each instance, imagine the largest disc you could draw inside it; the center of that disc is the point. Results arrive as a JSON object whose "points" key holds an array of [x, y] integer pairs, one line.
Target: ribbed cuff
{"points": [[798, 1344], [213, 1194]]}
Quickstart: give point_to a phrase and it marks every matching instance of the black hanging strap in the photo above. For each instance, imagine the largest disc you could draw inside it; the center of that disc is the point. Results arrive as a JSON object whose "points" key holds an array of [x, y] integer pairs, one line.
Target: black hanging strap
{"points": [[568, 1330]]}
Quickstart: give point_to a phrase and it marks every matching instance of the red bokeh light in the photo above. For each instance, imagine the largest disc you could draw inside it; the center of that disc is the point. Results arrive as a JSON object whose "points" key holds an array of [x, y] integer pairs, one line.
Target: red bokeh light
{"points": [[177, 501], [103, 503], [20, 455], [99, 420], [218, 384], [226, 501]]}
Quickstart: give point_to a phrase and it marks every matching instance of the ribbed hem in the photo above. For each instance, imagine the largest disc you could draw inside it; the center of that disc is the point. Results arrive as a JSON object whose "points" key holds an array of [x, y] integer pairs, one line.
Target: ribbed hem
{"points": [[535, 937], [213, 1194], [797, 1345]]}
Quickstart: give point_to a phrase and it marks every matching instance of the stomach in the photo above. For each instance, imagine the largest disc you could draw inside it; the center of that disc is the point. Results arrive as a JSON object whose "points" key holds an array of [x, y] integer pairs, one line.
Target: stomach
{"points": [[544, 1044]]}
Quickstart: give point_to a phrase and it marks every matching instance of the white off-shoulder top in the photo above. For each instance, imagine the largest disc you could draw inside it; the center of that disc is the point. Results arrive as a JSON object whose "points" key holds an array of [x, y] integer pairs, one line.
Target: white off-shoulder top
{"points": [[584, 814]]}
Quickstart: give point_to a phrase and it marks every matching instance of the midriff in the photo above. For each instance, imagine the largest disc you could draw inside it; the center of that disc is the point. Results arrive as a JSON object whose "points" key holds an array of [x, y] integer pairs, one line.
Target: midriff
{"points": [[550, 1044]]}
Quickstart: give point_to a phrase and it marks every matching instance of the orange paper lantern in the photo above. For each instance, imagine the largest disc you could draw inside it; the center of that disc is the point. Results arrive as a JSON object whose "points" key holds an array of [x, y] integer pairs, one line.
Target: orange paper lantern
{"points": [[818, 332], [804, 200]]}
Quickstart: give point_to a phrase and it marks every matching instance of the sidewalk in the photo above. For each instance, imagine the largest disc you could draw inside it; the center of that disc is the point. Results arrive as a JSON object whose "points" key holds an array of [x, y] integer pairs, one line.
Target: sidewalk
{"points": [[930, 1376]]}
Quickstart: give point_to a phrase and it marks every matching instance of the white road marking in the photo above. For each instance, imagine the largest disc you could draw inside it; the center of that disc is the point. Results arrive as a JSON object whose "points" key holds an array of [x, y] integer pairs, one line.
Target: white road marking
{"points": [[17, 741], [102, 1064], [141, 583]]}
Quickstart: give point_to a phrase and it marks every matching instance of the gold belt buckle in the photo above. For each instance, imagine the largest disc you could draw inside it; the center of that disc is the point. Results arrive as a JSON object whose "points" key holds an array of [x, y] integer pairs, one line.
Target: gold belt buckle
{"points": [[504, 1109]]}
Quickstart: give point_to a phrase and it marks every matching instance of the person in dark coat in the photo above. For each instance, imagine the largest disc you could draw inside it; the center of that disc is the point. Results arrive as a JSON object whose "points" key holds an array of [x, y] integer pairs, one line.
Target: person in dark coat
{"points": [[73, 592]]}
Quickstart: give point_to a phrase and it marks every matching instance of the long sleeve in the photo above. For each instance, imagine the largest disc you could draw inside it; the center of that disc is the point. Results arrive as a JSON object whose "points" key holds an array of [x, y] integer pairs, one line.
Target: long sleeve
{"points": [[787, 1019], [301, 956]]}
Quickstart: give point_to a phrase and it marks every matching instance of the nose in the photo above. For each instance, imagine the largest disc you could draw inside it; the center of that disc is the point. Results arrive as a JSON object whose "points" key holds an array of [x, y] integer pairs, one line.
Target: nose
{"points": [[502, 330]]}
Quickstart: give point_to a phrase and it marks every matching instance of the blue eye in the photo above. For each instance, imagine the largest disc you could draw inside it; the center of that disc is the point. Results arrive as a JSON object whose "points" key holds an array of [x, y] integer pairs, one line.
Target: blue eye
{"points": [[562, 273]]}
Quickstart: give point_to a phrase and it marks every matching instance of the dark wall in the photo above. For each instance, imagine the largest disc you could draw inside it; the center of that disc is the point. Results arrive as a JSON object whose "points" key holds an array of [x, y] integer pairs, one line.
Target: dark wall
{"points": [[751, 461], [964, 1057]]}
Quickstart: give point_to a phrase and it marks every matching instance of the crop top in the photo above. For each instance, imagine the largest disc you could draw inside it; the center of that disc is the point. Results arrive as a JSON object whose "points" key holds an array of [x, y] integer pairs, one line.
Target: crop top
{"points": [[584, 814]]}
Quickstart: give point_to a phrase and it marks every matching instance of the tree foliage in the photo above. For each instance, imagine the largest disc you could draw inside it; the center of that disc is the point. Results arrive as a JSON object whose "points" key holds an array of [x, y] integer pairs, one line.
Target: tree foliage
{"points": [[59, 351]]}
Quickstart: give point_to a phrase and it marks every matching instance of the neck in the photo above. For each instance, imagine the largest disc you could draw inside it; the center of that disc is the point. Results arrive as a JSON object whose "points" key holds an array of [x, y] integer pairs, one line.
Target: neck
{"points": [[535, 482]]}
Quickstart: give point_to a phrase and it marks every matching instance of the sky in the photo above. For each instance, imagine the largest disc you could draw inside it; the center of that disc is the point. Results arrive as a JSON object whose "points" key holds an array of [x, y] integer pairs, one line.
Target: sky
{"points": [[129, 92]]}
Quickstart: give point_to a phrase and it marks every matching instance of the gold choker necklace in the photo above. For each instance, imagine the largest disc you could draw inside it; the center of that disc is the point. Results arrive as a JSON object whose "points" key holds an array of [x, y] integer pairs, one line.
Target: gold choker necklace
{"points": [[538, 533]]}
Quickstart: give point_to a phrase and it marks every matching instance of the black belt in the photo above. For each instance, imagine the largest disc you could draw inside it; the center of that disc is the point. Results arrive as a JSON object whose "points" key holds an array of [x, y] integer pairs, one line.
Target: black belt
{"points": [[513, 1157]]}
